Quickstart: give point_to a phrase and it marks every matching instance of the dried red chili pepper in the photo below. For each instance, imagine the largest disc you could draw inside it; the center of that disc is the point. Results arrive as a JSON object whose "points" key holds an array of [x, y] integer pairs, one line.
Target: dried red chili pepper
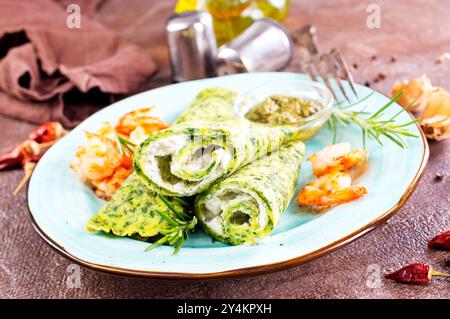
{"points": [[29, 163], [18, 155], [37, 143], [415, 274], [441, 241], [28, 153], [47, 132], [12, 158], [28, 168]]}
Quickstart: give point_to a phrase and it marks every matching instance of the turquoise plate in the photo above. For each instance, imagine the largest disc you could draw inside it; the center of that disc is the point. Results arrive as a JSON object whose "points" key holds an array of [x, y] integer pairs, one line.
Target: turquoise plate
{"points": [[60, 205]]}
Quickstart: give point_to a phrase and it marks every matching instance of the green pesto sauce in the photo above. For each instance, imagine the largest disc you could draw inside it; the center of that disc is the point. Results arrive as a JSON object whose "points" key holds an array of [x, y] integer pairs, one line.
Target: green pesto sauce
{"points": [[280, 110]]}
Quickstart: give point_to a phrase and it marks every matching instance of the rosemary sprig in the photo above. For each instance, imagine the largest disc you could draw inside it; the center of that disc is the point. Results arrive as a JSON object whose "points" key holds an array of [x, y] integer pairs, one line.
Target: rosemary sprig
{"points": [[176, 234], [180, 226], [373, 126], [179, 213], [126, 145]]}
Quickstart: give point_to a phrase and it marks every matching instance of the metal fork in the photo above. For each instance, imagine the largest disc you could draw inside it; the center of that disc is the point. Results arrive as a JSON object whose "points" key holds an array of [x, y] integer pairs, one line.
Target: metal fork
{"points": [[329, 65]]}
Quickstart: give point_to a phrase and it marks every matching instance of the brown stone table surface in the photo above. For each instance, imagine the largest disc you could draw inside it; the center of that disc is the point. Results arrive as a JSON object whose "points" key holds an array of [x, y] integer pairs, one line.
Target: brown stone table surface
{"points": [[415, 31]]}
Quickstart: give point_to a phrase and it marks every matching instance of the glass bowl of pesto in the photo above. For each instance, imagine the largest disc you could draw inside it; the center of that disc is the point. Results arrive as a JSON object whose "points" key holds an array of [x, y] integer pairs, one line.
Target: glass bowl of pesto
{"points": [[305, 104]]}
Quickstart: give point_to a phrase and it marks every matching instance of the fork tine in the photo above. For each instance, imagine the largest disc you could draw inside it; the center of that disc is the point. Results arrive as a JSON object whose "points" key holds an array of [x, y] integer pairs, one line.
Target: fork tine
{"points": [[343, 64], [318, 65], [331, 67], [309, 70]]}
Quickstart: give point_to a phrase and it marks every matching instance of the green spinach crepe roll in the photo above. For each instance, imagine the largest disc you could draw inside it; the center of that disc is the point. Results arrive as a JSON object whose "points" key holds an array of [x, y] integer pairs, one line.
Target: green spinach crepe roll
{"points": [[206, 144], [247, 205], [210, 103], [137, 212]]}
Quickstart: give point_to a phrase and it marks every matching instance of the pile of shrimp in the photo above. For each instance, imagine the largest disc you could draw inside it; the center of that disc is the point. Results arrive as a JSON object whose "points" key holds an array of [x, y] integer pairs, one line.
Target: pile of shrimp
{"points": [[333, 186], [105, 162]]}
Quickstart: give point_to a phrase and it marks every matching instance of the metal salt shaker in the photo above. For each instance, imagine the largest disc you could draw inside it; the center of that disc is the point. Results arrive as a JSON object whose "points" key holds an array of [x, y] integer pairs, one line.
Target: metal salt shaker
{"points": [[192, 45], [264, 46]]}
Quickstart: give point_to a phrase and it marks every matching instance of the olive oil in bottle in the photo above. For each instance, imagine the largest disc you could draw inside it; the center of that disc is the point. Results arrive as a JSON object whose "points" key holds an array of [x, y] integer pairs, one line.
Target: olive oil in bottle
{"points": [[231, 17]]}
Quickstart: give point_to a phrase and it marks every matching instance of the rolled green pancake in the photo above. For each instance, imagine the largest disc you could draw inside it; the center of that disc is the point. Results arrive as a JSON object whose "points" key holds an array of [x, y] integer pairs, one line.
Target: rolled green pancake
{"points": [[210, 103], [205, 145], [136, 211], [247, 205]]}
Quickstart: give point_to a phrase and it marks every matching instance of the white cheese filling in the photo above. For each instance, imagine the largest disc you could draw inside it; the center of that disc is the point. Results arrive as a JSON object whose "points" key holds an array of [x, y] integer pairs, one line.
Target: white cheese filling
{"points": [[218, 203], [172, 145]]}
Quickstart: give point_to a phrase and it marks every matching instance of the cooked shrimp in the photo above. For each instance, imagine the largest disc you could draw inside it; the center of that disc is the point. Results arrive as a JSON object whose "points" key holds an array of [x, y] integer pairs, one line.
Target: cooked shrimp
{"points": [[330, 190], [143, 118], [103, 163], [335, 158], [138, 135], [106, 187], [100, 163], [99, 158]]}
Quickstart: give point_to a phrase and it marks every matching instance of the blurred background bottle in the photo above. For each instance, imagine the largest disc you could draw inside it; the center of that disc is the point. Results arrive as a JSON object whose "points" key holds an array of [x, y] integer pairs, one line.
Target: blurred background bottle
{"points": [[231, 17]]}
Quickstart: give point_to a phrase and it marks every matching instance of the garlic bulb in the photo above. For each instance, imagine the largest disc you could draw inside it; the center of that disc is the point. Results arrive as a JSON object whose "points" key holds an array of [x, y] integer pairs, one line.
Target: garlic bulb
{"points": [[432, 103], [416, 89], [435, 120]]}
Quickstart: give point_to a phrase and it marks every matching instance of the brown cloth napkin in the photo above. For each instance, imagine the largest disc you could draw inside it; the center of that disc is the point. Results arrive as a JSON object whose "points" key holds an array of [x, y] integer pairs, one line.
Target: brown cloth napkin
{"points": [[49, 71]]}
